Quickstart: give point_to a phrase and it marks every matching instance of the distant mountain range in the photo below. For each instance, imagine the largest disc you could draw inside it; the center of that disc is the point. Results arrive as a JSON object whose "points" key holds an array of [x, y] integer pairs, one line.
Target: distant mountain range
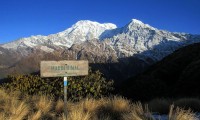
{"points": [[122, 52]]}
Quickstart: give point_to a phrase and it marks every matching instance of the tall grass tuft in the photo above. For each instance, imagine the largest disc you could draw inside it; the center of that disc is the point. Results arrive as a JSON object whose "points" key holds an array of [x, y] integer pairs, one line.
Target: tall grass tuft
{"points": [[120, 104], [59, 106], [18, 110], [181, 114], [36, 115], [11, 106], [112, 108], [78, 114], [138, 112], [44, 104]]}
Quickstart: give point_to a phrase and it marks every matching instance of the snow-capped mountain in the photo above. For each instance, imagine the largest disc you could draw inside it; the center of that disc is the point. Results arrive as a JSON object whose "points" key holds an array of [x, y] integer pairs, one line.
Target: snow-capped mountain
{"points": [[99, 43], [135, 37], [139, 38], [81, 31]]}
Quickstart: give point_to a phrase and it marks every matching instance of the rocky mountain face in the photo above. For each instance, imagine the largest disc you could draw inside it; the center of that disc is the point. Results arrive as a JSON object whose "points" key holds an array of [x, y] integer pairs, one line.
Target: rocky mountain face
{"points": [[116, 51]]}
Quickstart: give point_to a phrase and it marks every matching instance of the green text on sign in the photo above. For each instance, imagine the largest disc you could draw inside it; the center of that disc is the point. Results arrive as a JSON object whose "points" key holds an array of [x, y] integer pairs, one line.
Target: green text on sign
{"points": [[63, 68]]}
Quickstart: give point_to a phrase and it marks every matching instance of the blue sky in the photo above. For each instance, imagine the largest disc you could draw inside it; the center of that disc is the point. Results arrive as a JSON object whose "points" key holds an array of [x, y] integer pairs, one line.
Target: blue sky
{"points": [[23, 18]]}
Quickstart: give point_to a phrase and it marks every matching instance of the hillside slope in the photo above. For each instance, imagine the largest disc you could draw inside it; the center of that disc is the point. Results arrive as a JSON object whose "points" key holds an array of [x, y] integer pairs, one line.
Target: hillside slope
{"points": [[176, 75]]}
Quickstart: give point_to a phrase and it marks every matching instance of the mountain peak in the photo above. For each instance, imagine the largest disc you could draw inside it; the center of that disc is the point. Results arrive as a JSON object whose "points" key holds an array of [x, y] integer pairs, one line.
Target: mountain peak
{"points": [[88, 23], [136, 21], [85, 30], [134, 24]]}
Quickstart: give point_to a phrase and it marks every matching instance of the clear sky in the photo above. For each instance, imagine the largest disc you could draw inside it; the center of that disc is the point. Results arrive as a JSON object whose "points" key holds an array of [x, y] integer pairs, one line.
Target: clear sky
{"points": [[23, 18]]}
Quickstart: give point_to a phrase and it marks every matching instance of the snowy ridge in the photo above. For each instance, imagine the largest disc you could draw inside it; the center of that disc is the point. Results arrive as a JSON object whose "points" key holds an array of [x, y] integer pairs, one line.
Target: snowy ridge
{"points": [[144, 39], [135, 38], [81, 31]]}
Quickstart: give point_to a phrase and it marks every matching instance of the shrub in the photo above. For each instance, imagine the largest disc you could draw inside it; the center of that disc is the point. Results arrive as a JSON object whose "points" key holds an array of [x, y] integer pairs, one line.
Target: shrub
{"points": [[94, 85], [34, 84]]}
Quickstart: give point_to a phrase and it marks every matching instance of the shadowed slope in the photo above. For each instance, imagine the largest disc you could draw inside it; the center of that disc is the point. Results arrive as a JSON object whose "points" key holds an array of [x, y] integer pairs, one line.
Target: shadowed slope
{"points": [[176, 75]]}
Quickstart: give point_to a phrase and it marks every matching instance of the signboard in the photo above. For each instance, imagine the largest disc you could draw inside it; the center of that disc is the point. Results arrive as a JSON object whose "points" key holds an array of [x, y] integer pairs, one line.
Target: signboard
{"points": [[63, 68]]}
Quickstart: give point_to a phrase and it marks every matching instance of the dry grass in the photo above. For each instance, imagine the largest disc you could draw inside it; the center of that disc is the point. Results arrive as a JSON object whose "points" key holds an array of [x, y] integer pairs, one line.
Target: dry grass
{"points": [[138, 112], [78, 114], [44, 104], [119, 104], [112, 108], [18, 110], [15, 106], [180, 114], [90, 104], [2, 116], [35, 116], [11, 106], [59, 106]]}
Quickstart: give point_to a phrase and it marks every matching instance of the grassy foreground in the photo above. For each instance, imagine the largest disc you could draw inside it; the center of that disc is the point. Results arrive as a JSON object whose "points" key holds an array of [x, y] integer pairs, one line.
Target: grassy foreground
{"points": [[15, 106]]}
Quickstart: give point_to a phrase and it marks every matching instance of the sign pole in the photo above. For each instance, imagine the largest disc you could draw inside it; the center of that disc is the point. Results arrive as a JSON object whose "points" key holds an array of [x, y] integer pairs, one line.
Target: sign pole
{"points": [[65, 98], [63, 69]]}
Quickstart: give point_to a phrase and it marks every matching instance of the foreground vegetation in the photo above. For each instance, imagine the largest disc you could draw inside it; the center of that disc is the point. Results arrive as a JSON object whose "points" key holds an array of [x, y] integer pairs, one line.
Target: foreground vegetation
{"points": [[17, 106], [94, 85], [30, 97]]}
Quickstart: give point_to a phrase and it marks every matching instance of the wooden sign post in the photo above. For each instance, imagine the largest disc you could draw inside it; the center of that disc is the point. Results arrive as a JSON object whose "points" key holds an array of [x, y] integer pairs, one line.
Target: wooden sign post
{"points": [[64, 69]]}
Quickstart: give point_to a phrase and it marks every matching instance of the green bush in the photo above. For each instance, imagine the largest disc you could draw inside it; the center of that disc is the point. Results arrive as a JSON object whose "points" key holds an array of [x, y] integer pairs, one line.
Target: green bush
{"points": [[34, 84], [93, 85]]}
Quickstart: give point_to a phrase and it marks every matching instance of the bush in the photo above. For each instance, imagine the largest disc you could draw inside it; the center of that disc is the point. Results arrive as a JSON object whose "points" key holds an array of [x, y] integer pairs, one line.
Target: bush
{"points": [[93, 85], [34, 84]]}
